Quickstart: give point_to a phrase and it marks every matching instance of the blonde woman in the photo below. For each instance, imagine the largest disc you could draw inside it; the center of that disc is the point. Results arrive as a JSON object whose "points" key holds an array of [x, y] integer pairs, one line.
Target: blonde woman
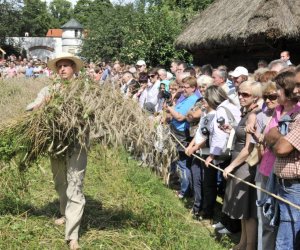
{"points": [[239, 200]]}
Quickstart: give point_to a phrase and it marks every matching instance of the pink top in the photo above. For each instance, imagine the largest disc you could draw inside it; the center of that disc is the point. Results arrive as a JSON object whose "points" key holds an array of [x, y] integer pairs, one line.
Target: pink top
{"points": [[268, 159], [11, 72]]}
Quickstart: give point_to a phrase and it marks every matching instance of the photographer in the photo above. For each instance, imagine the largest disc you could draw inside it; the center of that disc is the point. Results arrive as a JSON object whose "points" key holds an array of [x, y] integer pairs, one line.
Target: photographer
{"points": [[180, 128], [164, 96]]}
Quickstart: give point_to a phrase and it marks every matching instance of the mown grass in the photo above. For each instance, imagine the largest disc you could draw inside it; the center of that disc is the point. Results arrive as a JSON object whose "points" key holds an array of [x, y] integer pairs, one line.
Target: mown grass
{"points": [[127, 207]]}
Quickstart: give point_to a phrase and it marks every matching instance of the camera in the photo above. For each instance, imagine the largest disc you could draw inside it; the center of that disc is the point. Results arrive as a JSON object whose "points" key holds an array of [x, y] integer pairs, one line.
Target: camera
{"points": [[204, 131], [221, 121], [167, 96]]}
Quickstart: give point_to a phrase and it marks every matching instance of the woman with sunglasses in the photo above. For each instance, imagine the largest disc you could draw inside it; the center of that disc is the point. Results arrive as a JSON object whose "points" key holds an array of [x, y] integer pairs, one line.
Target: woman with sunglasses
{"points": [[288, 107], [266, 235], [239, 199]]}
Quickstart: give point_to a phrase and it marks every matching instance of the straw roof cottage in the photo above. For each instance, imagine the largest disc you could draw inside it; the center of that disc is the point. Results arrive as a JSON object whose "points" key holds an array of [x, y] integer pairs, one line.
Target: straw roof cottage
{"points": [[243, 31]]}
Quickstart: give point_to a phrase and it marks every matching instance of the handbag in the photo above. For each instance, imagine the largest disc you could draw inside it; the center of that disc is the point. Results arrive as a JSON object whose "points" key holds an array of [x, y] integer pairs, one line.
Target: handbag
{"points": [[257, 153]]}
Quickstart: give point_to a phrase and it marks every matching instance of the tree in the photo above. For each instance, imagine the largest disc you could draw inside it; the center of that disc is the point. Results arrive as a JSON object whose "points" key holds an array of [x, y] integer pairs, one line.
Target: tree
{"points": [[35, 18], [133, 31], [10, 12], [62, 11]]}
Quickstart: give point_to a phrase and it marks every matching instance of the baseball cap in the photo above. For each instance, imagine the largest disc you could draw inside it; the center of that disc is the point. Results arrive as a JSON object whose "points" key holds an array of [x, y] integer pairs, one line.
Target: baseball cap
{"points": [[240, 70], [140, 62]]}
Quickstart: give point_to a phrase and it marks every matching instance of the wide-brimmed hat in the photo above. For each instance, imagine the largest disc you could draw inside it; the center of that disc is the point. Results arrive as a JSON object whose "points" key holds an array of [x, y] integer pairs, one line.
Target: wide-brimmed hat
{"points": [[65, 56]]}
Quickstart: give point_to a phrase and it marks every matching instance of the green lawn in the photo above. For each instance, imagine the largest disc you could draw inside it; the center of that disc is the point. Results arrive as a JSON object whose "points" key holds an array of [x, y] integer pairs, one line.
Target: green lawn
{"points": [[127, 207]]}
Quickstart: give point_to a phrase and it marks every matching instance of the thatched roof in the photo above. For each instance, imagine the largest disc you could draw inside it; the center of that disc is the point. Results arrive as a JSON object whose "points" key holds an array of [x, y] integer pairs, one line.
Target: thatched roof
{"points": [[228, 22]]}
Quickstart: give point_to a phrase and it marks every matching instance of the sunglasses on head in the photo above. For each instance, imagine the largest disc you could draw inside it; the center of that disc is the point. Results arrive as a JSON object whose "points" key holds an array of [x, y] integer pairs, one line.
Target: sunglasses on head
{"points": [[272, 97], [244, 95]]}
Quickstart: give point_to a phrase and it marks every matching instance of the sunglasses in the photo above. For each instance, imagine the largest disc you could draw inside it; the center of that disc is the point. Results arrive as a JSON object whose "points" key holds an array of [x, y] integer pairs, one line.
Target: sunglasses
{"points": [[270, 97], [244, 95], [150, 76]]}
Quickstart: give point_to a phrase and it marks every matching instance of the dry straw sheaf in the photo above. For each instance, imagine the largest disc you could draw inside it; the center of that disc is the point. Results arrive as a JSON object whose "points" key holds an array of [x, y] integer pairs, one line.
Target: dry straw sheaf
{"points": [[78, 110], [225, 23]]}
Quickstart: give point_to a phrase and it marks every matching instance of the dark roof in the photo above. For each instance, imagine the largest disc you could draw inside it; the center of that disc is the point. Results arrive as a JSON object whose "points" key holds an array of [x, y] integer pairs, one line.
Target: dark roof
{"points": [[72, 24], [228, 23]]}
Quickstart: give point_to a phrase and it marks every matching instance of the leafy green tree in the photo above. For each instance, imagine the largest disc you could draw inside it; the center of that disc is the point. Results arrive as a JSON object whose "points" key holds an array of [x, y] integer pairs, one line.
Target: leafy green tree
{"points": [[132, 31], [62, 11], [10, 12], [35, 18]]}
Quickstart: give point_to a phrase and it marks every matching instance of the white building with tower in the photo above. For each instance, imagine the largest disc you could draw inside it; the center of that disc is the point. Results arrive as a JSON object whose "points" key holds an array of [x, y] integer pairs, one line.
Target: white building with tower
{"points": [[67, 39]]}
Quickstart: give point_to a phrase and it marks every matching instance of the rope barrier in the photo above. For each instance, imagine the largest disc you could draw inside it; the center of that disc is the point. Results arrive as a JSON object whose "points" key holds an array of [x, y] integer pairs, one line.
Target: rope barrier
{"points": [[246, 182]]}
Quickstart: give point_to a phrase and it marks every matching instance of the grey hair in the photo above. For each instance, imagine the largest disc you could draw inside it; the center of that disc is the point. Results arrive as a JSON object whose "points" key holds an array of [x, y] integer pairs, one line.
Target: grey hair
{"points": [[222, 73], [204, 80], [277, 62], [162, 71], [215, 95]]}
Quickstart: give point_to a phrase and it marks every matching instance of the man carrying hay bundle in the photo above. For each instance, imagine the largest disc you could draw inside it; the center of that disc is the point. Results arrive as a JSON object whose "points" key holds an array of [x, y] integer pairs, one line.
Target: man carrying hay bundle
{"points": [[68, 169]]}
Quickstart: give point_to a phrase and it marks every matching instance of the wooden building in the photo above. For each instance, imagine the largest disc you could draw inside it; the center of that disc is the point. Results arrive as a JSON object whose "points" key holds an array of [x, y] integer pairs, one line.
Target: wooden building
{"points": [[241, 32]]}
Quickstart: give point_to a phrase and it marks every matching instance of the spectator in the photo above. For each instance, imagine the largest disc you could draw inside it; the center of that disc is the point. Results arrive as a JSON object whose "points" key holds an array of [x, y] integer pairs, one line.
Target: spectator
{"points": [[266, 234], [285, 56], [284, 140], [218, 141], [150, 94], [239, 199], [141, 66], [180, 128], [212, 99], [29, 70], [277, 65], [262, 64]]}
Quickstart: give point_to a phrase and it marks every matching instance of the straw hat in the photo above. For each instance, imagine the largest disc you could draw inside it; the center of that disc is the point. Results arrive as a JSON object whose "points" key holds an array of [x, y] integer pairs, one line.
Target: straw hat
{"points": [[65, 56]]}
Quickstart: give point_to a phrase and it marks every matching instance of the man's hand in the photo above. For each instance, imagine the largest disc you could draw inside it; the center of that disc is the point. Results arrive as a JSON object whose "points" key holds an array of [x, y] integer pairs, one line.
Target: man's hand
{"points": [[272, 137]]}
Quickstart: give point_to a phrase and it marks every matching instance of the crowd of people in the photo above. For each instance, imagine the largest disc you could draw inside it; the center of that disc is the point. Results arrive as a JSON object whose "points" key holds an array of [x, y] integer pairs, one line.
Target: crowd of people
{"points": [[247, 124], [244, 123]]}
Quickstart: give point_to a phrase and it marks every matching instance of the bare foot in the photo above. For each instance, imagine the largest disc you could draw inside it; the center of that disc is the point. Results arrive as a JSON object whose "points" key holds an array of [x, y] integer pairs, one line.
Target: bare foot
{"points": [[60, 221], [74, 245]]}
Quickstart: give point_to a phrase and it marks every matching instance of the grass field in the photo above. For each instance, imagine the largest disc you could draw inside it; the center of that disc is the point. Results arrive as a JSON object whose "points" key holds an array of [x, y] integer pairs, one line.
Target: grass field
{"points": [[127, 208]]}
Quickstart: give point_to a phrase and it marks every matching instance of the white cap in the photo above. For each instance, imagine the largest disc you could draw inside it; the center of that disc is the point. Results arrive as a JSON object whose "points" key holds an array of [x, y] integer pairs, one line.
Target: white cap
{"points": [[140, 63], [240, 70]]}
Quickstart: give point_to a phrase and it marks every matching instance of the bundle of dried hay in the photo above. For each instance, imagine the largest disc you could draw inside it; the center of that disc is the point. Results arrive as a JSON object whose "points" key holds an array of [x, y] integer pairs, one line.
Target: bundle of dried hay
{"points": [[78, 110]]}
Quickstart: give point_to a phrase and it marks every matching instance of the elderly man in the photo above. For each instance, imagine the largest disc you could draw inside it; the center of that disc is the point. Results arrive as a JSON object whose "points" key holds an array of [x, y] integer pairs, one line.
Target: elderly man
{"points": [[128, 83], [69, 170], [220, 77]]}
